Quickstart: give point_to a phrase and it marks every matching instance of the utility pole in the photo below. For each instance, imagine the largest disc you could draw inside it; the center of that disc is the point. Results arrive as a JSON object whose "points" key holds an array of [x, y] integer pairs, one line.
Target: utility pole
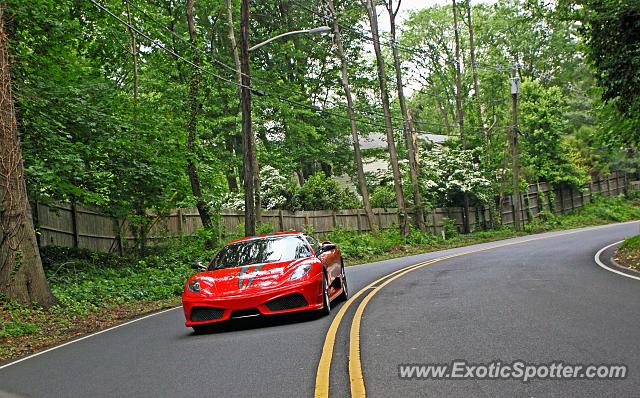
{"points": [[515, 167], [247, 133]]}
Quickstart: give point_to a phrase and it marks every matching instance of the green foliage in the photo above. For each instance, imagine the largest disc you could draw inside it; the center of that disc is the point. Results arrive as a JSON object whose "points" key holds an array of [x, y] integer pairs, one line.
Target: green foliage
{"points": [[542, 124], [383, 196], [612, 28], [320, 192], [84, 281], [631, 243], [16, 328], [449, 228]]}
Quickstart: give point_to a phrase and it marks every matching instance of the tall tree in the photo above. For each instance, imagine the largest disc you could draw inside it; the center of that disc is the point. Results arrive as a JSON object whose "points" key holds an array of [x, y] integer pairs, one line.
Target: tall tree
{"points": [[253, 155], [192, 125], [21, 274], [248, 139], [459, 112], [474, 69], [344, 80], [612, 32], [384, 94], [411, 148]]}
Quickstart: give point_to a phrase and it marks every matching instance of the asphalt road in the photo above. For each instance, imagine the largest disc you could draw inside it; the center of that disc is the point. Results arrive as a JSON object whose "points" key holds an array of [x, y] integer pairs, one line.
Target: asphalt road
{"points": [[542, 300]]}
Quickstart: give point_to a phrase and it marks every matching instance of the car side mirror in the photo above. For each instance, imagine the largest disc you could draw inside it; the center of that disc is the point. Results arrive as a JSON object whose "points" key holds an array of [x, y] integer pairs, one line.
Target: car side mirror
{"points": [[199, 266], [325, 247]]}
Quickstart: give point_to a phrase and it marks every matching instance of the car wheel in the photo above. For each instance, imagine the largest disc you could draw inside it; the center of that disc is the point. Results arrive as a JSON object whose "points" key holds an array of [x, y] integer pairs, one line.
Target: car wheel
{"points": [[345, 288], [326, 301]]}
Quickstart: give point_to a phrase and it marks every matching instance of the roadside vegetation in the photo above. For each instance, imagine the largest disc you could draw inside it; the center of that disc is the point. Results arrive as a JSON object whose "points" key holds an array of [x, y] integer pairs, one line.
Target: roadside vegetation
{"points": [[96, 290], [628, 254]]}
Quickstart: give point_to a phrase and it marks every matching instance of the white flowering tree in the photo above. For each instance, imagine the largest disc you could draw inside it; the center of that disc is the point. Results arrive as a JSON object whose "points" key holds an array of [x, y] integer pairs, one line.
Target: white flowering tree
{"points": [[276, 189], [447, 173]]}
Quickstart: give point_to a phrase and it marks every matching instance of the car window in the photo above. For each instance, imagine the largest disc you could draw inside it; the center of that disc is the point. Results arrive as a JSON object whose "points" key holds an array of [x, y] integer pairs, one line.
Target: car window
{"points": [[261, 250], [315, 244]]}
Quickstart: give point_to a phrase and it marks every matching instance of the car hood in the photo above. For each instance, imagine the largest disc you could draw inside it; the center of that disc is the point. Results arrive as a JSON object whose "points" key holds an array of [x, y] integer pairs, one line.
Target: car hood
{"points": [[248, 278]]}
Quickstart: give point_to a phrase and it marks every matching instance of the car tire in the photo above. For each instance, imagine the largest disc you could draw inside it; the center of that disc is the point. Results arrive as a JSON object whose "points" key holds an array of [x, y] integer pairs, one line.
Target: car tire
{"points": [[326, 300], [344, 296]]}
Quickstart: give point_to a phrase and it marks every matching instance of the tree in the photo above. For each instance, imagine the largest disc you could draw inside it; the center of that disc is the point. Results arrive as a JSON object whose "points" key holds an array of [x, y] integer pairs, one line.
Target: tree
{"points": [[344, 75], [612, 32], [459, 112], [21, 274], [192, 125], [393, 153], [406, 128]]}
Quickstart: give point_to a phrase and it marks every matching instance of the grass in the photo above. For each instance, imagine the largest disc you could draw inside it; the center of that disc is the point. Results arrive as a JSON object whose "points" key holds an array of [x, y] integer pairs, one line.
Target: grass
{"points": [[97, 290], [628, 254]]}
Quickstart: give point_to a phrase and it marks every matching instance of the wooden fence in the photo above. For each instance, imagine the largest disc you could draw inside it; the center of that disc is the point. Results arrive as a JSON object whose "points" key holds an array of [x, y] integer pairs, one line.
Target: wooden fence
{"points": [[86, 227]]}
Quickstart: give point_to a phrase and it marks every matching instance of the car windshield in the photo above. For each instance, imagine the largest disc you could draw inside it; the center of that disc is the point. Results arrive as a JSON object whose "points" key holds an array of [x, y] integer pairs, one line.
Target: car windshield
{"points": [[261, 250]]}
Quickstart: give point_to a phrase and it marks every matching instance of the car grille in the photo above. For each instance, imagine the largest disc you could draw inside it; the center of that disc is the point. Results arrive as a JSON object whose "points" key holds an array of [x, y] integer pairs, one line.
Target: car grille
{"points": [[291, 301], [201, 314]]}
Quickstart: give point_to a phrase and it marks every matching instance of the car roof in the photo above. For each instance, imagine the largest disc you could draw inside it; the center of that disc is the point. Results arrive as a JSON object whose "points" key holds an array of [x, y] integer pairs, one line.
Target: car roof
{"points": [[262, 236]]}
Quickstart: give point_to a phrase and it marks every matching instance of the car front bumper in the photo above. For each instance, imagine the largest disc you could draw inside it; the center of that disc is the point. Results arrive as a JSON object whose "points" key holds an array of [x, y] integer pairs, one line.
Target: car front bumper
{"points": [[255, 303]]}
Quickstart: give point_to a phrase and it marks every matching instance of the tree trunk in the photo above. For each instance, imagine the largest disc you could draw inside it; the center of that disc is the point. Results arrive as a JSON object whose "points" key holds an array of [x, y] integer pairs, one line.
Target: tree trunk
{"points": [[362, 183], [21, 275], [474, 69], [459, 114], [192, 125], [134, 52], [393, 154], [236, 62], [248, 139], [411, 148]]}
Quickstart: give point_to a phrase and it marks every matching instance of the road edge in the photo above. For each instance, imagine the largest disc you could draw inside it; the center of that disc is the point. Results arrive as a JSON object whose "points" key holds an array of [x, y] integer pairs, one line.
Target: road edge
{"points": [[622, 271], [55, 347]]}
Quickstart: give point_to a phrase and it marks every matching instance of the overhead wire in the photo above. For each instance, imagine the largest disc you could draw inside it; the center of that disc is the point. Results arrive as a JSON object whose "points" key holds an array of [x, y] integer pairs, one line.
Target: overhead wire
{"points": [[157, 44]]}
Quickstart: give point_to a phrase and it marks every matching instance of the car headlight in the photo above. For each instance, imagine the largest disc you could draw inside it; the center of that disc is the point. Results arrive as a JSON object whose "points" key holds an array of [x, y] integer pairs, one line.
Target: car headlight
{"points": [[300, 272], [194, 286]]}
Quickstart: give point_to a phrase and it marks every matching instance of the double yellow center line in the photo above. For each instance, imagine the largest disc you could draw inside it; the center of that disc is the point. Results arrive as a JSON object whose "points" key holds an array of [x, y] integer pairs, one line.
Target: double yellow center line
{"points": [[356, 378]]}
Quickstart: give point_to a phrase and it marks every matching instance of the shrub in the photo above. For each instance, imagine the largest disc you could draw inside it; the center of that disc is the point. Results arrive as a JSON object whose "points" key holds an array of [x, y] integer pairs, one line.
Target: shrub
{"points": [[320, 192], [383, 196]]}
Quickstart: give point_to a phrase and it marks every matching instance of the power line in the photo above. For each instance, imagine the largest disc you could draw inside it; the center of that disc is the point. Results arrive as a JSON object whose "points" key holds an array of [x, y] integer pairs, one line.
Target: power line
{"points": [[156, 43]]}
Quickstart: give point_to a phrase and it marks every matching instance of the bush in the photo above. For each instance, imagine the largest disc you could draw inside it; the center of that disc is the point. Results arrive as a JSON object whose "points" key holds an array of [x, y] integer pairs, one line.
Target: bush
{"points": [[320, 192], [383, 196], [449, 228]]}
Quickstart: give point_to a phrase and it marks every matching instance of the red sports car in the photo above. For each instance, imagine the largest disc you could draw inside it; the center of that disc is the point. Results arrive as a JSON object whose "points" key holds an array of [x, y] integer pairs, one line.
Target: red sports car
{"points": [[265, 275]]}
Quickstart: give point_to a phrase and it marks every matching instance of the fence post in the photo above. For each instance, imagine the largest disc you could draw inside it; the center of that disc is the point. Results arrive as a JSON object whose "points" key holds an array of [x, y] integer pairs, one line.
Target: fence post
{"points": [[334, 219], [572, 204], [74, 223], [433, 221], [180, 225], [281, 220], [358, 221]]}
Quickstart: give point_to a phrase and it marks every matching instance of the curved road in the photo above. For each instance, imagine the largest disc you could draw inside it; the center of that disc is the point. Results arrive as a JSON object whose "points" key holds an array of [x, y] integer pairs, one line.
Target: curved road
{"points": [[539, 299]]}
